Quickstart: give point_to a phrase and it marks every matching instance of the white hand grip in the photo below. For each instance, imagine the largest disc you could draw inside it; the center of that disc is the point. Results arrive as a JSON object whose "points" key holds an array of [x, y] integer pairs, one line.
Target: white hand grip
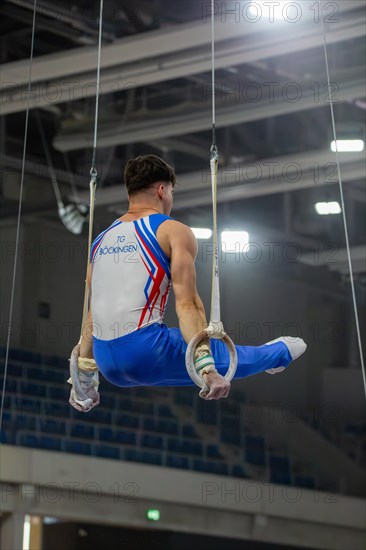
{"points": [[190, 358]]}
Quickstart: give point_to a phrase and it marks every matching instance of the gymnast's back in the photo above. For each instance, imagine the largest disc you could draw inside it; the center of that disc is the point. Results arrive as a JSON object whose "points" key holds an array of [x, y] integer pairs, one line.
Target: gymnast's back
{"points": [[131, 276]]}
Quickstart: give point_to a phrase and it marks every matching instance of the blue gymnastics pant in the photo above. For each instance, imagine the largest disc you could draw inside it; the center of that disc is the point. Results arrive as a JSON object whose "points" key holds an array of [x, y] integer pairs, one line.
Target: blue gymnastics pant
{"points": [[155, 356]]}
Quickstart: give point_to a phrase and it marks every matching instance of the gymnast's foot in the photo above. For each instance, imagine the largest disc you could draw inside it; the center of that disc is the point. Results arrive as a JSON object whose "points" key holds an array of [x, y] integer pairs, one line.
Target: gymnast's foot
{"points": [[296, 347]]}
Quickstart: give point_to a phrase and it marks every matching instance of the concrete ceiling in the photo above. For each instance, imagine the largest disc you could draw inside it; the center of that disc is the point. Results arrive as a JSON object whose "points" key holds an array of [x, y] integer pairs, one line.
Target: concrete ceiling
{"points": [[163, 55], [172, 66]]}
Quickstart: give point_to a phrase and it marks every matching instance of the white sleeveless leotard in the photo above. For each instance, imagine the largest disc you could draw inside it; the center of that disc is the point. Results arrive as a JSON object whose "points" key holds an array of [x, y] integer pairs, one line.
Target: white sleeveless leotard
{"points": [[131, 280]]}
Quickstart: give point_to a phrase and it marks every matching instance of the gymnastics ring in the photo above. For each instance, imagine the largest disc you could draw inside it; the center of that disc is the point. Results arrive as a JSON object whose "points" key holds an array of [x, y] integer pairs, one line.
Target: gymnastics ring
{"points": [[210, 332]]}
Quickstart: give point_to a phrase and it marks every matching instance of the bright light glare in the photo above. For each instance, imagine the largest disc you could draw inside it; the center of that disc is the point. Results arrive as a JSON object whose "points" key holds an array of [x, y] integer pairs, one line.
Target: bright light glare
{"points": [[267, 12], [201, 232], [26, 533], [348, 145], [232, 240], [326, 208], [153, 515]]}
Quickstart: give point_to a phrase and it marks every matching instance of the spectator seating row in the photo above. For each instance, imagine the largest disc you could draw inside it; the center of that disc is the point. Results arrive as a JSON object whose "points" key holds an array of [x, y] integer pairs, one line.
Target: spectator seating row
{"points": [[136, 424], [124, 452]]}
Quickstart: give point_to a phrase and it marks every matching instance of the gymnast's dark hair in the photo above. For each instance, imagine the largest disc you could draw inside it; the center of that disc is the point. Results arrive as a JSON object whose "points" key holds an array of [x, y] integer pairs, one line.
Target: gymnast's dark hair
{"points": [[143, 171]]}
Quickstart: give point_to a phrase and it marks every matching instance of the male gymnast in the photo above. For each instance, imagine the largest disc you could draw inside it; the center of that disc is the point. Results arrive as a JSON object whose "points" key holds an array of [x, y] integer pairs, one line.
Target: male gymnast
{"points": [[134, 263]]}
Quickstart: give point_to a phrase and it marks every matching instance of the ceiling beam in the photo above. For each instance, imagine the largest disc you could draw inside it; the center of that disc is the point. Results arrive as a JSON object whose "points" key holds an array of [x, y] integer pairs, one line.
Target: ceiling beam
{"points": [[337, 259], [350, 84], [313, 169], [193, 147], [50, 26], [162, 55], [72, 19], [158, 42], [11, 165]]}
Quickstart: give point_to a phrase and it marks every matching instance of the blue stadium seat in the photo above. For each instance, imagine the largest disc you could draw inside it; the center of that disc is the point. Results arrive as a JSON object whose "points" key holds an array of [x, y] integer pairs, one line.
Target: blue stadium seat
{"points": [[221, 469], [15, 370], [36, 390], [8, 402], [28, 440], [185, 396], [111, 389], [56, 376], [149, 424], [6, 438], [207, 412], [255, 450], [98, 415], [124, 404], [213, 451], [128, 438], [167, 426], [210, 467], [57, 392], [151, 458], [231, 436], [162, 426], [185, 446], [107, 434], [151, 441], [49, 443], [279, 470], [108, 401], [142, 392], [8, 418], [230, 430], [279, 463], [54, 361], [238, 471], [105, 451], [60, 410], [132, 455], [229, 407], [77, 447], [308, 482], [11, 384], [128, 420], [37, 373], [82, 431], [53, 426], [229, 422], [283, 478], [142, 407], [143, 456], [26, 356], [173, 461], [26, 404], [165, 410], [189, 431], [25, 422], [199, 465]]}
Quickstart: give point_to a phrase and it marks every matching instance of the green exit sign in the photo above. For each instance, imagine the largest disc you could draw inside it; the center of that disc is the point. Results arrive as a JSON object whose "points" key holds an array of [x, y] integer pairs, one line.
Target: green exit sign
{"points": [[153, 515]]}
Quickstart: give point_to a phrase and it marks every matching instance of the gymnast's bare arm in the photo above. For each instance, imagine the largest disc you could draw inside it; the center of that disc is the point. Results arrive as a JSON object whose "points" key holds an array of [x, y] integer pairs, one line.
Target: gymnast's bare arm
{"points": [[86, 346], [188, 304]]}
